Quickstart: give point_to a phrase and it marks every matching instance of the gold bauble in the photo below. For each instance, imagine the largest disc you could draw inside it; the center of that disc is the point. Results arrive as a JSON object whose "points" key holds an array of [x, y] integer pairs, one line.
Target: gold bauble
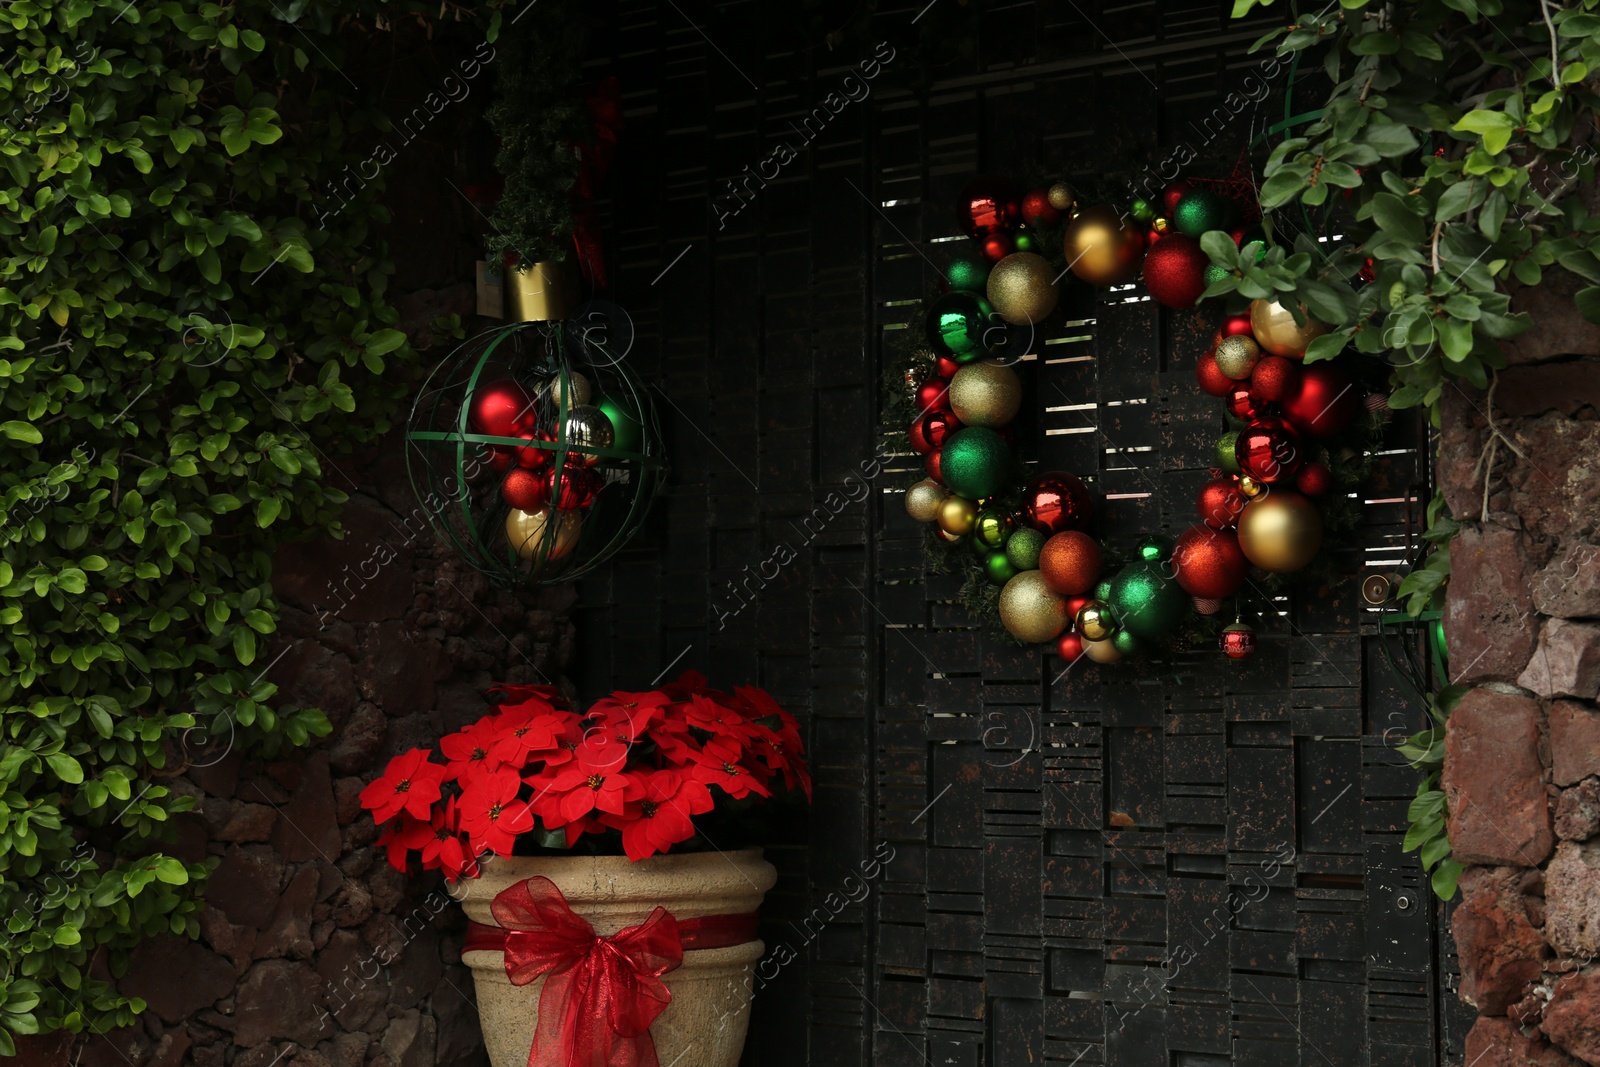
{"points": [[924, 498], [1280, 531], [1250, 487], [985, 394], [1095, 621], [957, 515], [1022, 288], [1030, 610], [1102, 651], [1275, 329], [1160, 225], [1102, 247], [526, 532], [1061, 197], [579, 388], [1237, 356]]}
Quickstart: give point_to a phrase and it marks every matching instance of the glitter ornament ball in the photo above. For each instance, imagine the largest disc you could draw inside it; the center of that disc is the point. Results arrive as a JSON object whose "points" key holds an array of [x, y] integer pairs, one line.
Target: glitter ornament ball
{"points": [[1029, 610], [1208, 563], [967, 273], [1022, 288], [1237, 356], [1314, 479], [1212, 381], [924, 499], [997, 568], [1061, 197], [1037, 210], [1225, 454], [1174, 271], [1274, 378], [976, 462], [1199, 210], [1147, 602], [985, 393], [1057, 501], [1220, 503], [1070, 562], [1023, 548]]}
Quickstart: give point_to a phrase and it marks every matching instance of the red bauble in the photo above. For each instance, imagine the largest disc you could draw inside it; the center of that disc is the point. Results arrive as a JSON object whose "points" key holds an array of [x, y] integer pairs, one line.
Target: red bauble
{"points": [[946, 367], [987, 204], [1075, 604], [1325, 401], [1269, 450], [1238, 641], [1314, 479], [1172, 194], [1151, 236], [1212, 381], [933, 395], [577, 489], [1237, 325], [997, 246], [1208, 563], [530, 457], [1242, 404], [934, 465], [499, 457], [929, 432], [501, 409], [525, 490], [1069, 646], [1037, 210], [1174, 271], [1057, 501], [1274, 378], [1070, 562], [1220, 503]]}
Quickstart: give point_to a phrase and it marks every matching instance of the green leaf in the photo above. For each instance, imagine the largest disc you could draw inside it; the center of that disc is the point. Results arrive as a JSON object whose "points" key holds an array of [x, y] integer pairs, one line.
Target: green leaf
{"points": [[1444, 879], [65, 767], [385, 341], [1495, 127], [1588, 301], [22, 431], [1395, 218], [1327, 346]]}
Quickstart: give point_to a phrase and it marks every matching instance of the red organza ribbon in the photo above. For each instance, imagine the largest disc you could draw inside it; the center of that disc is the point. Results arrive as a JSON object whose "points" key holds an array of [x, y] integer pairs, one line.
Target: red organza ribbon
{"points": [[600, 993]]}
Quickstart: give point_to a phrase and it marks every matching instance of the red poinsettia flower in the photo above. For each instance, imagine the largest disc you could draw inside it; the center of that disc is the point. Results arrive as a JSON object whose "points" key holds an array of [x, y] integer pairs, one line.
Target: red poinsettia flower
{"points": [[491, 814], [403, 836], [409, 784], [520, 736], [535, 697], [471, 751], [716, 718], [574, 792], [717, 766], [660, 817]]}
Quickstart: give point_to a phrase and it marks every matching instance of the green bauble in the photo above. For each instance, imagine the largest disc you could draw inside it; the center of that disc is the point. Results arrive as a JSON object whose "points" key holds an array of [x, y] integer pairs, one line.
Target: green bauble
{"points": [[993, 528], [1147, 602], [1022, 548], [958, 326], [975, 462], [968, 272], [1025, 242], [1200, 210], [999, 568], [624, 416], [1155, 548], [1143, 211], [1103, 590], [1225, 452], [1214, 273], [1126, 643]]}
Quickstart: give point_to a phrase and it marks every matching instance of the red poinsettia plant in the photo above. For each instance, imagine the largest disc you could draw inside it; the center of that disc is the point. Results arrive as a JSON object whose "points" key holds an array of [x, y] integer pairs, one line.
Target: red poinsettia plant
{"points": [[536, 773]]}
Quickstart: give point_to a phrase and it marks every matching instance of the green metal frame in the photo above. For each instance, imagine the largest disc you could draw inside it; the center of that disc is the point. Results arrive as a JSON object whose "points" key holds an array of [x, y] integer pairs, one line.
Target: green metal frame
{"points": [[442, 448]]}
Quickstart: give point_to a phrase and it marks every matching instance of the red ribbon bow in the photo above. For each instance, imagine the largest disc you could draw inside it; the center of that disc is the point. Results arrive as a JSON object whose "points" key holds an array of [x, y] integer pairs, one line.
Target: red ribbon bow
{"points": [[600, 993]]}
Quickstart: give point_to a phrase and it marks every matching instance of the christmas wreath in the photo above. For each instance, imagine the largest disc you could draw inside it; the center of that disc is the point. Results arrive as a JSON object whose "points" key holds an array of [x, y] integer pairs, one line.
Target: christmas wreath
{"points": [[1285, 465]]}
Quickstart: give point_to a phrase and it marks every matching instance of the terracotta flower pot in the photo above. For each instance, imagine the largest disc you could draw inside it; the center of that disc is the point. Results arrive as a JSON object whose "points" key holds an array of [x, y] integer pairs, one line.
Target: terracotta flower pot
{"points": [[705, 1023]]}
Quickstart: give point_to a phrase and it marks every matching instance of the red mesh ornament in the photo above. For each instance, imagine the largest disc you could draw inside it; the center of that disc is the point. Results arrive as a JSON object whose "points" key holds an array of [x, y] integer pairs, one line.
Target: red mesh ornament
{"points": [[1212, 381], [1174, 271], [1274, 378], [1220, 503], [1208, 563]]}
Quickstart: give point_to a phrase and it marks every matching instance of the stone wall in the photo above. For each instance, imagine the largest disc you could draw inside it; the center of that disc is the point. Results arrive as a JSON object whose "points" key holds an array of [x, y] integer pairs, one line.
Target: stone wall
{"points": [[314, 952], [1522, 761]]}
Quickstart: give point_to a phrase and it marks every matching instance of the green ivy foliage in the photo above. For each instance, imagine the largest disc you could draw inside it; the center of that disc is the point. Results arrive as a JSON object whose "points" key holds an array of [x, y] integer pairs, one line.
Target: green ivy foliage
{"points": [[193, 327], [1449, 154]]}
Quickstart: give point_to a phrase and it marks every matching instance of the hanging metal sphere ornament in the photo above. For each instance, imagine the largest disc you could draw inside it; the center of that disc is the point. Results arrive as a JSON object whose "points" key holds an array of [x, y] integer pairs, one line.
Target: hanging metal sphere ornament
{"points": [[1238, 640], [1275, 329], [517, 470], [1095, 622], [1056, 501], [1102, 247]]}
